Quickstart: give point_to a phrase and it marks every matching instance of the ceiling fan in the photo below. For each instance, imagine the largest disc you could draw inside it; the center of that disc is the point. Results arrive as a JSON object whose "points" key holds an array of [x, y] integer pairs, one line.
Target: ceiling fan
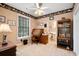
{"points": [[39, 10]]}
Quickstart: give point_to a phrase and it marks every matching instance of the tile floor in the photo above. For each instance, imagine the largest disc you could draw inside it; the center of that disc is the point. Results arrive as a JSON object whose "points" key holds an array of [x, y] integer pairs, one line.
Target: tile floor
{"points": [[49, 49]]}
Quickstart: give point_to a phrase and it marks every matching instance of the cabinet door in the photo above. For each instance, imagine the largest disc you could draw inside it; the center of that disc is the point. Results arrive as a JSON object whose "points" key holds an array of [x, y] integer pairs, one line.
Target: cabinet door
{"points": [[44, 39]]}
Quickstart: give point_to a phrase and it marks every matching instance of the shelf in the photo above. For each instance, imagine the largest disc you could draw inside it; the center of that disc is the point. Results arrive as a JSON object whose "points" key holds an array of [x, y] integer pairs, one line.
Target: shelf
{"points": [[64, 33]]}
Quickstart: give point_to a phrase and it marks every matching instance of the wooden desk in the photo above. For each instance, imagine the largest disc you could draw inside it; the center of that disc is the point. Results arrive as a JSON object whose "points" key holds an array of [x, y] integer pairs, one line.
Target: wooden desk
{"points": [[8, 50], [44, 39]]}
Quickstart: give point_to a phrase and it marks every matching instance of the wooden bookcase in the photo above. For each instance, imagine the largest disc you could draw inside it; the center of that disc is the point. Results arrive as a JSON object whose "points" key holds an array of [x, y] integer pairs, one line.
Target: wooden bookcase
{"points": [[64, 37]]}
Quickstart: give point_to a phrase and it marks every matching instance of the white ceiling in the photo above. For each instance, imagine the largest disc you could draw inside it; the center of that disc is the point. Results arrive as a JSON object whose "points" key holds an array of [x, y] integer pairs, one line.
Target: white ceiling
{"points": [[52, 7]]}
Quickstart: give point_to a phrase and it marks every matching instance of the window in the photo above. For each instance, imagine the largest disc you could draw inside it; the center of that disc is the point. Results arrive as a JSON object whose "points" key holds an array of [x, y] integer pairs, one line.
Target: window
{"points": [[23, 27]]}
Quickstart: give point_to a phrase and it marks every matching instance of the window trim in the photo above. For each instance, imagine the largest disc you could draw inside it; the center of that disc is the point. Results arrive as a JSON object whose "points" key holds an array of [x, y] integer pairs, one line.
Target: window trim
{"points": [[24, 37]]}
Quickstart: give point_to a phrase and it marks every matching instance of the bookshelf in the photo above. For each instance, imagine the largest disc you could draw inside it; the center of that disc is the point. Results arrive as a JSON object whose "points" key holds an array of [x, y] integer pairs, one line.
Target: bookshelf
{"points": [[64, 37]]}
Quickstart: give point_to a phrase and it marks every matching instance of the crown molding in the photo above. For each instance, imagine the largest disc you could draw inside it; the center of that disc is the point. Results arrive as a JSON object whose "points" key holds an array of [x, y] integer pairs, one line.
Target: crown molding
{"points": [[57, 13], [3, 5]]}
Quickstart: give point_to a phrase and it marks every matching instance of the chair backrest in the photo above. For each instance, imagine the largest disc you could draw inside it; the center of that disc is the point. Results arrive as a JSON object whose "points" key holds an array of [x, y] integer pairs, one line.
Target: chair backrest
{"points": [[37, 32]]}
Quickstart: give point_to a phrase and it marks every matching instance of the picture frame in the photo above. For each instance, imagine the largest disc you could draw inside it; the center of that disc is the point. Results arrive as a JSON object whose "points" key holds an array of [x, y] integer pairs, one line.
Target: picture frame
{"points": [[2, 19], [11, 22]]}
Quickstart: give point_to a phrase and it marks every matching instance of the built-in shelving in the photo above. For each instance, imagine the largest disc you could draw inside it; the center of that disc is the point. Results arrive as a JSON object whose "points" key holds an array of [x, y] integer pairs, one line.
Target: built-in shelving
{"points": [[65, 33]]}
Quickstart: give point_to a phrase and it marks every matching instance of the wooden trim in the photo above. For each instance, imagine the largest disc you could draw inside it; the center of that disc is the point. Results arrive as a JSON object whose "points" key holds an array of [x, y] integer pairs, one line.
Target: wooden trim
{"points": [[57, 13], [3, 5]]}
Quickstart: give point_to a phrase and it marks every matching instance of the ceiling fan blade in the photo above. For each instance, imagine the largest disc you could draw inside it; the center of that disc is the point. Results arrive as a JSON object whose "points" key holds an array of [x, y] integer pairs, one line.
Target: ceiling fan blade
{"points": [[44, 8], [37, 5], [40, 4], [31, 8]]}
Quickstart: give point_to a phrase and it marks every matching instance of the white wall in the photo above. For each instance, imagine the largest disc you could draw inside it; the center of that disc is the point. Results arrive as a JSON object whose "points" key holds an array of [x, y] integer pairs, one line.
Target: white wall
{"points": [[76, 29]]}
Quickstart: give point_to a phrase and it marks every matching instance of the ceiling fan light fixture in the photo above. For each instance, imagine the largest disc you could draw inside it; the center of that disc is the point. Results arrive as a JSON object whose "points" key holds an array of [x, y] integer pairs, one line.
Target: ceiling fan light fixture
{"points": [[39, 12]]}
